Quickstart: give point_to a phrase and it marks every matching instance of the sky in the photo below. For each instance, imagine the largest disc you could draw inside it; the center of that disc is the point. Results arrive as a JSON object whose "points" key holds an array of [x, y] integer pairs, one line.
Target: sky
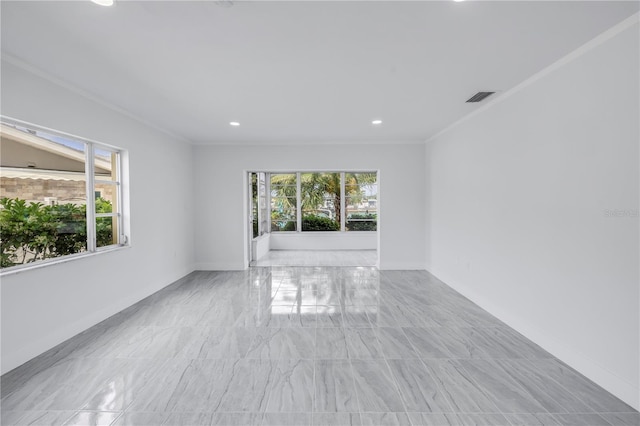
{"points": [[68, 142]]}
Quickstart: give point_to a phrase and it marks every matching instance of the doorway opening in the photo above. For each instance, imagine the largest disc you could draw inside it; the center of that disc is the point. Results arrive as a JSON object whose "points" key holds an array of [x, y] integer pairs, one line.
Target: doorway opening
{"points": [[312, 218]]}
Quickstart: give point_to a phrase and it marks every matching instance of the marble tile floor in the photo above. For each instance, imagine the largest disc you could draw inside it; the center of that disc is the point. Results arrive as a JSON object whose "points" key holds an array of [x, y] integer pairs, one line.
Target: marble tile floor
{"points": [[304, 346], [318, 258]]}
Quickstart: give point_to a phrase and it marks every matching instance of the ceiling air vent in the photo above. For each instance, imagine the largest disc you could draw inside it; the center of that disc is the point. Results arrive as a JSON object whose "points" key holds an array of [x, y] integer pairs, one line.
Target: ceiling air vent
{"points": [[480, 96]]}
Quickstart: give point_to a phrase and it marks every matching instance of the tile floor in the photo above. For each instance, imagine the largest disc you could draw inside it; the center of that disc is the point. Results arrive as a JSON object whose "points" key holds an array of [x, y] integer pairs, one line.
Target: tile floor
{"points": [[318, 258], [304, 346]]}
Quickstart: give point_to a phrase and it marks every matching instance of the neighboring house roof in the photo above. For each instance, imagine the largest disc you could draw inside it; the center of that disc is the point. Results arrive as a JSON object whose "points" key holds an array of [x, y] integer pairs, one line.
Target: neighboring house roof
{"points": [[31, 152]]}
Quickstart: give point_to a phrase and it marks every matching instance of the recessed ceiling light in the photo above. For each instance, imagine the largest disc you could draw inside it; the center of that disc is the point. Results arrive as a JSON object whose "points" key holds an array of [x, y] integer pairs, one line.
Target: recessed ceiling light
{"points": [[376, 122], [234, 123], [103, 2], [458, 1]]}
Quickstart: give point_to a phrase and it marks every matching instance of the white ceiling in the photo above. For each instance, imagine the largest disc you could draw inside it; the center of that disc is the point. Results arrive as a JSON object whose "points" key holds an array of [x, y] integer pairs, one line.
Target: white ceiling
{"points": [[298, 71]]}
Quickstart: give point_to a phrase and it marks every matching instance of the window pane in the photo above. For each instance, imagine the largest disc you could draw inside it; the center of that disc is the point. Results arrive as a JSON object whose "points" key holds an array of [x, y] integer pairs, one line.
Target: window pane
{"points": [[105, 162], [283, 202], [320, 195], [282, 187], [254, 204], [106, 231], [361, 201], [106, 198], [43, 191], [106, 195], [263, 210], [283, 214]]}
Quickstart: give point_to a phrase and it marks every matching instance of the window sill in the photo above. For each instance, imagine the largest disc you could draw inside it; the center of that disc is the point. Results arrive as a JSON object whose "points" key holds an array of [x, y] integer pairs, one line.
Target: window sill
{"points": [[323, 232], [56, 261]]}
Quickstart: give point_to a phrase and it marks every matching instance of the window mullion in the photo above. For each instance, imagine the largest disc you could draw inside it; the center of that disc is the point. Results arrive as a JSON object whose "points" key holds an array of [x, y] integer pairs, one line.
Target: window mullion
{"points": [[267, 189], [257, 201], [91, 199], [118, 169], [343, 203], [107, 215], [299, 201]]}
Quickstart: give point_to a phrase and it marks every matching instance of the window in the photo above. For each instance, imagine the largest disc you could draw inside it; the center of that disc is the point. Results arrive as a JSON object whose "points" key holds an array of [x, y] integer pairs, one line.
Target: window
{"points": [[259, 214], [320, 193], [107, 206], [284, 202], [59, 195], [361, 201], [323, 201]]}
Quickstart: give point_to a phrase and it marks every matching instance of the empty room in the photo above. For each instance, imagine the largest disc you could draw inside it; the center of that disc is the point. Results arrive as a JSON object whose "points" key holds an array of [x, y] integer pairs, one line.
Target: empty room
{"points": [[320, 213]]}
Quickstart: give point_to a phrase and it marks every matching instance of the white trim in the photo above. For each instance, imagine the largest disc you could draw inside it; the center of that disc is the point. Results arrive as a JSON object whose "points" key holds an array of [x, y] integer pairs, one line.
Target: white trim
{"points": [[400, 266], [298, 202], [107, 215], [267, 188], [248, 186], [610, 381], [379, 213], [593, 43], [122, 236], [246, 208], [12, 270], [328, 170], [259, 209], [343, 203], [220, 266], [91, 199], [299, 142]]}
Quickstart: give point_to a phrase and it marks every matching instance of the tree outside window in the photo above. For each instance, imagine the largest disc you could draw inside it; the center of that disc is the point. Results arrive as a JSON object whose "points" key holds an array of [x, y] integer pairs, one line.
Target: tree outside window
{"points": [[321, 201]]}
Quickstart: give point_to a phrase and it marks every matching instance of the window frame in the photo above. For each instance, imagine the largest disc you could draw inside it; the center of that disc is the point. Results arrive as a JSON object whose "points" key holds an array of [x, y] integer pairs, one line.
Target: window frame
{"points": [[346, 198], [271, 197], [117, 184], [299, 213], [122, 238]]}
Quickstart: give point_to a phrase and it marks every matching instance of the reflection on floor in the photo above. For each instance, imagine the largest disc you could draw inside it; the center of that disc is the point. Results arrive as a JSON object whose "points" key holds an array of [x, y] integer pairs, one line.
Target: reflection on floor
{"points": [[319, 258], [301, 346]]}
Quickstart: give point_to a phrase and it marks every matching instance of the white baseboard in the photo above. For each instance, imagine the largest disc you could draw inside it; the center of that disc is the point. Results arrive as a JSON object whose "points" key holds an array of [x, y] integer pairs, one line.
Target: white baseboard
{"points": [[219, 266], [602, 376], [35, 348], [404, 266]]}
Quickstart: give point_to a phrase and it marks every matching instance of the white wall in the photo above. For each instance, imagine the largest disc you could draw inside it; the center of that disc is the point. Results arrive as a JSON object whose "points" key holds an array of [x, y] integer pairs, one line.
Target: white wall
{"points": [[365, 240], [220, 172], [517, 210], [260, 246], [45, 306]]}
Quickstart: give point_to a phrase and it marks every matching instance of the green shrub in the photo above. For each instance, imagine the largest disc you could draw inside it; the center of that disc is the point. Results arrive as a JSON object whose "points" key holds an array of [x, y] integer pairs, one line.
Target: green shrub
{"points": [[282, 222], [369, 224], [283, 225], [71, 223], [319, 223], [35, 232]]}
